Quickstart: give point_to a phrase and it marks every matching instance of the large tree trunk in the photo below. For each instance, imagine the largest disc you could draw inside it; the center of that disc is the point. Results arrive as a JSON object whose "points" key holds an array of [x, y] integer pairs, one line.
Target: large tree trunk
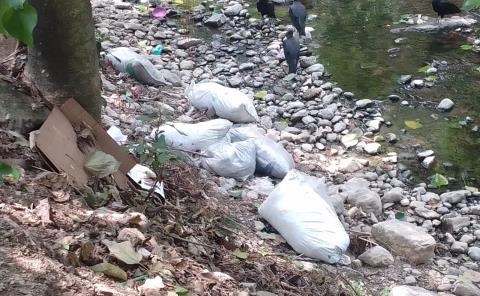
{"points": [[63, 62]]}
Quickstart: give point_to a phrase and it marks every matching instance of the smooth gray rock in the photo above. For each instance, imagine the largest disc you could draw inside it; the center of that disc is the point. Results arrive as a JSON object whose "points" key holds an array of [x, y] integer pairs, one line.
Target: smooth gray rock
{"points": [[377, 257], [426, 213], [372, 148], [474, 253], [455, 224], [459, 247], [233, 10], [466, 289], [445, 105], [359, 195], [405, 239], [216, 20], [393, 195], [363, 103], [454, 197], [315, 68], [188, 42]]}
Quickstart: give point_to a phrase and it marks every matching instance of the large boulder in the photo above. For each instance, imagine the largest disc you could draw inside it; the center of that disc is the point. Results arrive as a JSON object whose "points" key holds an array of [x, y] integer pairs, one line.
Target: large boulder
{"points": [[410, 291], [233, 10], [405, 239], [454, 197]]}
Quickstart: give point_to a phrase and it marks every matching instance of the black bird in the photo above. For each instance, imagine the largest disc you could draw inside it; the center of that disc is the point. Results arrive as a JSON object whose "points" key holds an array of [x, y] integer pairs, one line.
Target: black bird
{"points": [[291, 49], [443, 8], [298, 16], [266, 7]]}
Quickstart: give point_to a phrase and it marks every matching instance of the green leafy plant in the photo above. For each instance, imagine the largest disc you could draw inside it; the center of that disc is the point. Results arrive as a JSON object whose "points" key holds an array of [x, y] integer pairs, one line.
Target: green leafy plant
{"points": [[18, 19], [424, 69], [154, 155], [8, 174]]}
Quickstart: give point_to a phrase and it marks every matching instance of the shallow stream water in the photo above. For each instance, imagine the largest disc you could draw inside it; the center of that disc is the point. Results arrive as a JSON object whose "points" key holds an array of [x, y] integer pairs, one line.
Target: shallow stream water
{"points": [[352, 39]]}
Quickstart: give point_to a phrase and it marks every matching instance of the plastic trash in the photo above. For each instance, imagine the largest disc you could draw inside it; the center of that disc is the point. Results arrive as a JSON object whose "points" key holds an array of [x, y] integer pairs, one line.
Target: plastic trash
{"points": [[232, 160], [159, 12], [125, 60], [157, 50], [272, 158], [145, 178], [298, 209], [117, 135], [224, 102], [194, 136]]}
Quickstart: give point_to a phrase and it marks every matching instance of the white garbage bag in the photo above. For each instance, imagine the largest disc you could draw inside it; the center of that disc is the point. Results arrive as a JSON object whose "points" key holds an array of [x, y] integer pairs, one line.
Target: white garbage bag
{"points": [[272, 158], [224, 102], [194, 136], [125, 60], [232, 160], [298, 209]]}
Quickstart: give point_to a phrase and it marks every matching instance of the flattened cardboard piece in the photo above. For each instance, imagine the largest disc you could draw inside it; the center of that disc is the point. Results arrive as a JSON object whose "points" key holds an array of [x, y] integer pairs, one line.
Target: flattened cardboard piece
{"points": [[58, 141]]}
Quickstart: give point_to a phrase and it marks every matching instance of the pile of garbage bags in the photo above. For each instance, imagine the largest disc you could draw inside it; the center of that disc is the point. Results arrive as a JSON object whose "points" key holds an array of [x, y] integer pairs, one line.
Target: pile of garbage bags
{"points": [[298, 207]]}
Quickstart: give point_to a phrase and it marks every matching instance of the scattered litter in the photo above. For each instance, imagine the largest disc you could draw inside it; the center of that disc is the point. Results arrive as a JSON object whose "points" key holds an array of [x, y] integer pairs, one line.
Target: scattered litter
{"points": [[263, 186], [159, 12], [145, 178], [125, 60], [216, 275], [152, 287], [224, 102], [117, 135], [233, 160], [299, 211], [157, 50], [194, 136]]}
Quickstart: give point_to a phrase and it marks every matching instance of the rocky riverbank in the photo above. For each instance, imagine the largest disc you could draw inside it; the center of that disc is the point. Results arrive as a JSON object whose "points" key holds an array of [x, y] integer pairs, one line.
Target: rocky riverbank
{"points": [[328, 131]]}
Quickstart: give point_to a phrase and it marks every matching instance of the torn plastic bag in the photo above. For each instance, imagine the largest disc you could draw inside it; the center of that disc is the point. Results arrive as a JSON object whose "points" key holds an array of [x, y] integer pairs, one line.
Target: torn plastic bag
{"points": [[272, 158], [299, 210], [232, 160], [125, 60], [224, 102], [194, 136]]}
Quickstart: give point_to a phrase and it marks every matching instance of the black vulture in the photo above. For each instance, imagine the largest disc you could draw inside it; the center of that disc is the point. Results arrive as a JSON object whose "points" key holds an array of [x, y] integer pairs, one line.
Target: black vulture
{"points": [[266, 7], [291, 49], [298, 16], [443, 8]]}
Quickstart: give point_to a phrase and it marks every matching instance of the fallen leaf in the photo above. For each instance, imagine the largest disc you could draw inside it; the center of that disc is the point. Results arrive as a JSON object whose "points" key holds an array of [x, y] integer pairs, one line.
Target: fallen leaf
{"points": [[412, 124], [43, 211], [110, 270], [60, 195], [439, 181], [239, 254], [182, 291], [86, 251], [216, 275], [124, 251], [261, 94]]}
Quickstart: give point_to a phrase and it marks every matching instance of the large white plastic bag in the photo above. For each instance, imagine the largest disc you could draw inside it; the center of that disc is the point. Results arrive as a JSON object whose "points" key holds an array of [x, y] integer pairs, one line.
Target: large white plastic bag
{"points": [[194, 136], [232, 160], [125, 60], [272, 158], [225, 102], [305, 219]]}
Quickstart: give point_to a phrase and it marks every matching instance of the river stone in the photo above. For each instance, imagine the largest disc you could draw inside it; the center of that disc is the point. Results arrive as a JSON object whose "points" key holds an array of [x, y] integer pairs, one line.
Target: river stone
{"points": [[445, 105], [349, 165], [466, 289], [455, 224], [233, 10], [459, 247], [377, 257], [187, 65], [410, 291], [216, 20], [188, 42], [404, 79], [474, 253], [306, 62], [426, 213], [358, 194], [312, 93], [315, 68], [363, 103], [428, 161], [372, 148], [454, 197], [405, 239], [393, 195]]}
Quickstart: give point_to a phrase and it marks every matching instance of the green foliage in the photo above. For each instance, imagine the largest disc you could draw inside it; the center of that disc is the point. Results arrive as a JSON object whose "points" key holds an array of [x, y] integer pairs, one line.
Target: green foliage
{"points": [[8, 174], [18, 19], [155, 154], [454, 125], [471, 4], [180, 291], [424, 69], [432, 78], [385, 292]]}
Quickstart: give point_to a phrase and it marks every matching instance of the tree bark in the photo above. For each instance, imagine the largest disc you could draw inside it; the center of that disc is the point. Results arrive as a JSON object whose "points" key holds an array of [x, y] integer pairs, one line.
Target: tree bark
{"points": [[63, 62]]}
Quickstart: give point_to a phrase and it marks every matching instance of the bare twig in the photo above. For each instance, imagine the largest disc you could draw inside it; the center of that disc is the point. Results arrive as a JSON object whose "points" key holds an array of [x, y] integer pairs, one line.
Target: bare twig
{"points": [[189, 241]]}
